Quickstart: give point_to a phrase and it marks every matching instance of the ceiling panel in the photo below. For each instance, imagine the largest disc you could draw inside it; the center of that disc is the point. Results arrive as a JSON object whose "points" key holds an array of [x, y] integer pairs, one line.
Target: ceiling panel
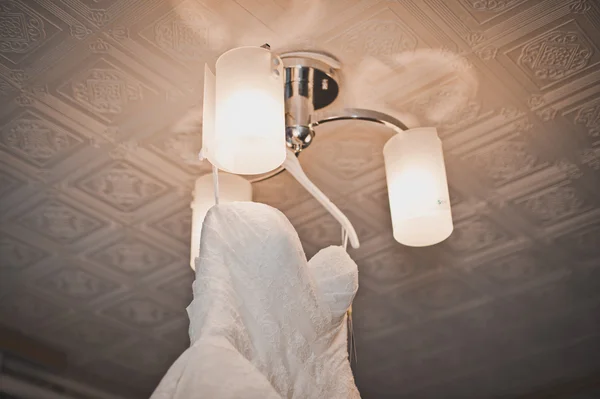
{"points": [[96, 174]]}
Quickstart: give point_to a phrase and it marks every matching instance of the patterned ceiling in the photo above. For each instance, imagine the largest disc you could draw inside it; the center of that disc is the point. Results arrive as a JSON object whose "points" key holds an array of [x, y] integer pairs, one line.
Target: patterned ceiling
{"points": [[95, 184]]}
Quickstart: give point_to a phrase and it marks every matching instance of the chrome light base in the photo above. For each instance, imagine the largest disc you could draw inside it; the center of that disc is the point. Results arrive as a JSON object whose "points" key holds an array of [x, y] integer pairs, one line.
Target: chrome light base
{"points": [[310, 84]]}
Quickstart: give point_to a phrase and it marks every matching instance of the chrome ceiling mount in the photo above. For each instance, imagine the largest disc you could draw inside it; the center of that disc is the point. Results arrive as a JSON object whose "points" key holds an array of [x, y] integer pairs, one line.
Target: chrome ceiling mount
{"points": [[312, 83]]}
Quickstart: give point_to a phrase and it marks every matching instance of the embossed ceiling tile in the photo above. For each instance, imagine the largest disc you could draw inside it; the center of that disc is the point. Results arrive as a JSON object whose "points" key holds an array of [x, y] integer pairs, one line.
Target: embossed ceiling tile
{"points": [[132, 255], [544, 368], [59, 221], [183, 32], [100, 12], [505, 159], [323, 230], [555, 55], [319, 17], [588, 286], [521, 161], [516, 270], [178, 337], [177, 225], [496, 317], [34, 138], [417, 371], [491, 12], [435, 293], [107, 373], [181, 36], [583, 243], [282, 192], [524, 372], [348, 154], [474, 234], [75, 283], [417, 338], [392, 266], [7, 90], [450, 105], [179, 148], [88, 334], [25, 29], [591, 158], [104, 87], [586, 118], [179, 286], [8, 185], [549, 297], [554, 204], [140, 312], [18, 255], [29, 311], [372, 200], [122, 185], [379, 33], [554, 333], [374, 315], [409, 370], [138, 357]]}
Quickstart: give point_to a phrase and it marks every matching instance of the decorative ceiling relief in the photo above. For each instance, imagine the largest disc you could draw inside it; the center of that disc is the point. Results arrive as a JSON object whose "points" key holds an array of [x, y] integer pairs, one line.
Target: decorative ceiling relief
{"points": [[183, 33], [18, 255], [475, 234], [553, 204], [122, 186], [105, 91], [132, 256], [59, 221], [140, 312], [589, 117], [556, 55], [88, 335], [21, 30], [505, 160], [378, 38], [75, 284], [99, 138], [34, 139], [494, 6]]}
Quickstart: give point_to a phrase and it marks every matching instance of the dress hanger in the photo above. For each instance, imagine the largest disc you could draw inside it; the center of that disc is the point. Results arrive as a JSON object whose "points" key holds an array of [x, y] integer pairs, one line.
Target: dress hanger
{"points": [[293, 166]]}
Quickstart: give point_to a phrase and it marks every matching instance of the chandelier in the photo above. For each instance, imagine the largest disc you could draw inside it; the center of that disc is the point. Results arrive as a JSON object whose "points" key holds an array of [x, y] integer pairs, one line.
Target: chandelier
{"points": [[256, 95]]}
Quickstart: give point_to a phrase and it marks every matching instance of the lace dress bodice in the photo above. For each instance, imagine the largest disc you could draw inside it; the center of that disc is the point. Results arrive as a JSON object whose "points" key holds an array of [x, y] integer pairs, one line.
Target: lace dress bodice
{"points": [[264, 322]]}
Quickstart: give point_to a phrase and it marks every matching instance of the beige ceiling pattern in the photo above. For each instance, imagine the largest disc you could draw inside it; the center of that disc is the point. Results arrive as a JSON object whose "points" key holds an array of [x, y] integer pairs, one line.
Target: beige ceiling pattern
{"points": [[95, 187]]}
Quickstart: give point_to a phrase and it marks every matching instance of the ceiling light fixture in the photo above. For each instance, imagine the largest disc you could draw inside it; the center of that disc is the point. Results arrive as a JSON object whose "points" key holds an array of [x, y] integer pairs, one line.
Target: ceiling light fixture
{"points": [[257, 95]]}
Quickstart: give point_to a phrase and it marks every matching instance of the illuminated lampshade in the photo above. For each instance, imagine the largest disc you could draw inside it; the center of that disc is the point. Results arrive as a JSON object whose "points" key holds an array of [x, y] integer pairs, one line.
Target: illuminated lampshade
{"points": [[417, 186], [231, 188], [247, 107]]}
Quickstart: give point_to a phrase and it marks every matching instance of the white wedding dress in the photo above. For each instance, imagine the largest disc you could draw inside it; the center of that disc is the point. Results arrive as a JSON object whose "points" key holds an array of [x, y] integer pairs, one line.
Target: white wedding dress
{"points": [[264, 322]]}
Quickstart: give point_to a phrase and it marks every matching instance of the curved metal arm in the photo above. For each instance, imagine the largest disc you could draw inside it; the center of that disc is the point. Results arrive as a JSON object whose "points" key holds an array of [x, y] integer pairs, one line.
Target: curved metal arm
{"points": [[363, 115]]}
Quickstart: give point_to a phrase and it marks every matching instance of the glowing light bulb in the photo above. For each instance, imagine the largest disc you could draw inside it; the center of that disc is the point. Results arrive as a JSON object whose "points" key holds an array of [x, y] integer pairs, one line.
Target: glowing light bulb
{"points": [[244, 112], [417, 187]]}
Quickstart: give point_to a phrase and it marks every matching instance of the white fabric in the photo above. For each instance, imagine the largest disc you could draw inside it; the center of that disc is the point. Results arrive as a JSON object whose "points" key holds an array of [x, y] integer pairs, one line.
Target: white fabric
{"points": [[264, 322]]}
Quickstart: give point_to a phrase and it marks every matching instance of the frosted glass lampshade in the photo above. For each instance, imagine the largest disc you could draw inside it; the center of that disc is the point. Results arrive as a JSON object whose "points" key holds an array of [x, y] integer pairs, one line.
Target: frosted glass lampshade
{"points": [[231, 188], [417, 186], [249, 112]]}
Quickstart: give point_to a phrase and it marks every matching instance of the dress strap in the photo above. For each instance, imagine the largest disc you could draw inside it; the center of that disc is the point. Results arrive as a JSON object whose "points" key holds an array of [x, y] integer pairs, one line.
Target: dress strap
{"points": [[215, 172]]}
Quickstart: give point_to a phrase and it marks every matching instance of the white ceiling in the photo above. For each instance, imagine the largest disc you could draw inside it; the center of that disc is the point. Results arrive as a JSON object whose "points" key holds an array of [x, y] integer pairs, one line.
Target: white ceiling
{"points": [[95, 182]]}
